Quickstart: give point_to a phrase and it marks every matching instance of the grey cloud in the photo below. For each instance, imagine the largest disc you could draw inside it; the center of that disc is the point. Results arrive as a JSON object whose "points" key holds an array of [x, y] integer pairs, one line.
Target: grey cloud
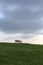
{"points": [[21, 16], [22, 27]]}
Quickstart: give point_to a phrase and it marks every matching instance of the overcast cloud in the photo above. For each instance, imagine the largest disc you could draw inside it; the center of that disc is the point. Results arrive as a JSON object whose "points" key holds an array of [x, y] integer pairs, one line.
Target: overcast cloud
{"points": [[21, 16]]}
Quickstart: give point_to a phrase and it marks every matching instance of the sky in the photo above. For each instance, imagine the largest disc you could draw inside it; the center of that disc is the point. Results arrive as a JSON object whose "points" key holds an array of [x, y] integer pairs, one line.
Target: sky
{"points": [[21, 19]]}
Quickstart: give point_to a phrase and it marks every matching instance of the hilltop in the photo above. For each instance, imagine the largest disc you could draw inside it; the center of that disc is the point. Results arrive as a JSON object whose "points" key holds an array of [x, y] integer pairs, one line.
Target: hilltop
{"points": [[21, 54]]}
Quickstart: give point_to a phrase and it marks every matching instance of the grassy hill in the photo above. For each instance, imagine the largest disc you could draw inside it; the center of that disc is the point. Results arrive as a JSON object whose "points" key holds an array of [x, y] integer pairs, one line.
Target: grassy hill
{"points": [[21, 54]]}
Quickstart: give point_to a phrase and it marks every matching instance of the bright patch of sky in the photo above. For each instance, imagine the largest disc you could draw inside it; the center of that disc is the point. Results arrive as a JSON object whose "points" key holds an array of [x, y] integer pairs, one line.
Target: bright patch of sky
{"points": [[1, 15]]}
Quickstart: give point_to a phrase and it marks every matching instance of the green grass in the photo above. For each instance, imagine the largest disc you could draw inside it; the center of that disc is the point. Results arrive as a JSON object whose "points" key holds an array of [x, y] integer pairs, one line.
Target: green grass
{"points": [[21, 54]]}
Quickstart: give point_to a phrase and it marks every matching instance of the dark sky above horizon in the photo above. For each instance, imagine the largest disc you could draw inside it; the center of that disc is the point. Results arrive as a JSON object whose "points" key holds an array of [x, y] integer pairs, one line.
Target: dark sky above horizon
{"points": [[21, 16]]}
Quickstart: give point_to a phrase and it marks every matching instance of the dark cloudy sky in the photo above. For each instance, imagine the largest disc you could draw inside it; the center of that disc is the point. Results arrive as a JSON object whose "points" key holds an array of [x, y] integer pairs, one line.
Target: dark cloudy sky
{"points": [[21, 19]]}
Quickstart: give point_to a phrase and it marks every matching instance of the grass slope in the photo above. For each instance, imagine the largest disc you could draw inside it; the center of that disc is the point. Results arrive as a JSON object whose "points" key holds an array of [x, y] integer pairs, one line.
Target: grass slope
{"points": [[21, 54]]}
